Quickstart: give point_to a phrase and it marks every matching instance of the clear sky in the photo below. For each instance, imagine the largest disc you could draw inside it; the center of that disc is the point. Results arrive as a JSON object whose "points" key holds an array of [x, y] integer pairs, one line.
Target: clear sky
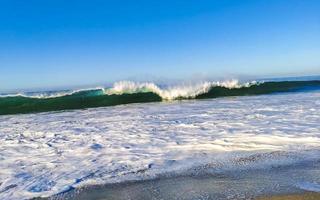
{"points": [[64, 42]]}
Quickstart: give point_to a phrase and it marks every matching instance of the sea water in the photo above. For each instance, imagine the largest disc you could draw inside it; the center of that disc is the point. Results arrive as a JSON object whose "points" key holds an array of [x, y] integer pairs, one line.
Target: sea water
{"points": [[48, 153]]}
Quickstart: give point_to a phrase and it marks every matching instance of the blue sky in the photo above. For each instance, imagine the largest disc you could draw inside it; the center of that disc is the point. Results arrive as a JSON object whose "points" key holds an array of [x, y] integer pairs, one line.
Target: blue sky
{"points": [[68, 43]]}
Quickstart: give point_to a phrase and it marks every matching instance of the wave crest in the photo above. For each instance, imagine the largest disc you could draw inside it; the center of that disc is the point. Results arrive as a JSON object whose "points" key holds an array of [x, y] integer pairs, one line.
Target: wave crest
{"points": [[173, 92]]}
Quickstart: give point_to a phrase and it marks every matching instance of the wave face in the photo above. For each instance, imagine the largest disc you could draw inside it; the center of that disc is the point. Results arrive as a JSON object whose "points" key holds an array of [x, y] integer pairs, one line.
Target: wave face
{"points": [[125, 92]]}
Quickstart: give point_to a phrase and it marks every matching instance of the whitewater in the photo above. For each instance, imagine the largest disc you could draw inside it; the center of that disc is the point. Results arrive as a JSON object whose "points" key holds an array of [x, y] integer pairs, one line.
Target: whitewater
{"points": [[174, 92], [48, 153]]}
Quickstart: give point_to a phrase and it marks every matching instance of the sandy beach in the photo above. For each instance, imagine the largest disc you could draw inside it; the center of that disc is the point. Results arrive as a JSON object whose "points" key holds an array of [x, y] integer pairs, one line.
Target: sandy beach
{"points": [[304, 196], [274, 184]]}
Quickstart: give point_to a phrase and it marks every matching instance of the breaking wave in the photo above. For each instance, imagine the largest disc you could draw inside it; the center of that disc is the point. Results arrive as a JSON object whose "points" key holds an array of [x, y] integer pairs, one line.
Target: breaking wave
{"points": [[125, 92]]}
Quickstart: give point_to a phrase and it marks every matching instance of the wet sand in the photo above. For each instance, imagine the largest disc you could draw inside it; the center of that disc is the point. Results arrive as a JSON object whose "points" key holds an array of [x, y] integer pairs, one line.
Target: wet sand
{"points": [[304, 196], [258, 184]]}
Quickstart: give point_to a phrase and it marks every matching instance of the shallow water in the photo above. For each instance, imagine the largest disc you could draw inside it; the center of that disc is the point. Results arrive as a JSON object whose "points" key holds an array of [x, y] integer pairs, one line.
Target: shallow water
{"points": [[49, 153]]}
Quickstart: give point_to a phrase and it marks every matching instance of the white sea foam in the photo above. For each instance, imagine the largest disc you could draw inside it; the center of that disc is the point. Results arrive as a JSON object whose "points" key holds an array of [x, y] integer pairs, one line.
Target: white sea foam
{"points": [[48, 153], [173, 92]]}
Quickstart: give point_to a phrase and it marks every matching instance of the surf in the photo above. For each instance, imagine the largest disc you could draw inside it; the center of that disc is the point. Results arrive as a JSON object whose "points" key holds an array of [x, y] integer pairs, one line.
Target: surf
{"points": [[125, 92]]}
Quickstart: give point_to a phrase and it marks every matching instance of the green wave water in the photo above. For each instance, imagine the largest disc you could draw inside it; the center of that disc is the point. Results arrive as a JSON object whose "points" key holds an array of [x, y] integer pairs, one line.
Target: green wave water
{"points": [[262, 88], [20, 104]]}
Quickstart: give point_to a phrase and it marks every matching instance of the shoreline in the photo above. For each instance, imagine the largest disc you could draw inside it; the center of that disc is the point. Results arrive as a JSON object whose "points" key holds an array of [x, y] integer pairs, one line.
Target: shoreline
{"points": [[288, 196], [302, 196], [278, 183]]}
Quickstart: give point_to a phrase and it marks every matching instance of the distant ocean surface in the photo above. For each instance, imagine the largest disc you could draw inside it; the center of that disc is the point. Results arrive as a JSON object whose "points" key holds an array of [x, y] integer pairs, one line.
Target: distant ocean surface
{"points": [[183, 130]]}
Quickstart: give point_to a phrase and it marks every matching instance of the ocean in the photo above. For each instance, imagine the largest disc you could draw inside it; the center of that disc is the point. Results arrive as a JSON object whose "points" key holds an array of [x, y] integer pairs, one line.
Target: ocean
{"points": [[53, 143]]}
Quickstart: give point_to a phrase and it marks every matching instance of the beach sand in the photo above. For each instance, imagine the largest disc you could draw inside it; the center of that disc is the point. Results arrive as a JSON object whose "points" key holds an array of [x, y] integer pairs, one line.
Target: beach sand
{"points": [[304, 196], [250, 184]]}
